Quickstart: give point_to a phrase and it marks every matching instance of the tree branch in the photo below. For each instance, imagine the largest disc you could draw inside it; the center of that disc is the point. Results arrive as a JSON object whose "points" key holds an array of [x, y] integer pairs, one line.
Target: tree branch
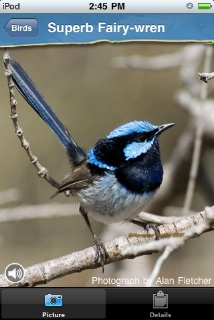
{"points": [[126, 247], [42, 172], [195, 162], [43, 211]]}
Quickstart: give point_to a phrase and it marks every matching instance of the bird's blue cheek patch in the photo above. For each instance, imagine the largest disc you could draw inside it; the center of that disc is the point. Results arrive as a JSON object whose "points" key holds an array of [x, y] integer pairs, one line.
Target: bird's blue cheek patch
{"points": [[135, 149], [93, 160]]}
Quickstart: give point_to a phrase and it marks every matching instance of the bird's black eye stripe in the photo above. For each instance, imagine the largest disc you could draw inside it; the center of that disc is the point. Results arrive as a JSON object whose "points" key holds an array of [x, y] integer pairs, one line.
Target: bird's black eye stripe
{"points": [[143, 138], [134, 137], [147, 136]]}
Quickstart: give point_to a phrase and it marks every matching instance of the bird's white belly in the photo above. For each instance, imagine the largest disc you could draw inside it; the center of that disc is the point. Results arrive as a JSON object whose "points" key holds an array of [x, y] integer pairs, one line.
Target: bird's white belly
{"points": [[108, 201]]}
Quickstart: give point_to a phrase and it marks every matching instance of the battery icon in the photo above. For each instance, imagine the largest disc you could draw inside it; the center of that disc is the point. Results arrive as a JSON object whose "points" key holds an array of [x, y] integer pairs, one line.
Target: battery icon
{"points": [[204, 6]]}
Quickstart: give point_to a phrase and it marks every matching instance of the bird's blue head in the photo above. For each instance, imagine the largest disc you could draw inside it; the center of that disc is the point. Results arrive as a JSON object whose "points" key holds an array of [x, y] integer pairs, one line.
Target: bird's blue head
{"points": [[126, 143]]}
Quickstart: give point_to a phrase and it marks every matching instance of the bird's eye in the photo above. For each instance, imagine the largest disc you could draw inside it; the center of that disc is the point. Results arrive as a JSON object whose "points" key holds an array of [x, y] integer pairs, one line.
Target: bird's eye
{"points": [[143, 139]]}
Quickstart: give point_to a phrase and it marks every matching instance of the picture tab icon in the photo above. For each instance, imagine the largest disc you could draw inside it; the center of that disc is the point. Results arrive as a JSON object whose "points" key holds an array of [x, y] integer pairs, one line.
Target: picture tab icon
{"points": [[53, 300], [160, 300]]}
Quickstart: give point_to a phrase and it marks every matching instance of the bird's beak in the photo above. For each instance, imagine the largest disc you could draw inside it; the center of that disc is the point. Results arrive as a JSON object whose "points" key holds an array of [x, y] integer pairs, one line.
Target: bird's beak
{"points": [[164, 127]]}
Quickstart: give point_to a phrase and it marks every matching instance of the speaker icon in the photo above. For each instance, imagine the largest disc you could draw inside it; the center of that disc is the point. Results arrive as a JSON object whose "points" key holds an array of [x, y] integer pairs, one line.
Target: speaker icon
{"points": [[14, 272]]}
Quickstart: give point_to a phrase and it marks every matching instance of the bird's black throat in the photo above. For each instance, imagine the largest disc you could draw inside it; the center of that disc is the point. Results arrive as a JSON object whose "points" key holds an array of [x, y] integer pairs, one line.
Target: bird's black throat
{"points": [[142, 174], [139, 175]]}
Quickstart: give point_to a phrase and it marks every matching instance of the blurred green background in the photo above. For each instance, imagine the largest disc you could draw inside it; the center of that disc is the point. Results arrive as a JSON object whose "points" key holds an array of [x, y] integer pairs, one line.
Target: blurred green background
{"points": [[91, 98]]}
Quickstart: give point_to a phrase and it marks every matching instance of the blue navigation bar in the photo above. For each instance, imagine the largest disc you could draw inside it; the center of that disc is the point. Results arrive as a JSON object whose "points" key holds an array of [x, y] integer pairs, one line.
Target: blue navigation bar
{"points": [[22, 29]]}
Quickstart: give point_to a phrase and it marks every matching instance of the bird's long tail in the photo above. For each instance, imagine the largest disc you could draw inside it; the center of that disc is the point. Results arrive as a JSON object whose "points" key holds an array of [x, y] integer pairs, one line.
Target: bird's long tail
{"points": [[35, 99]]}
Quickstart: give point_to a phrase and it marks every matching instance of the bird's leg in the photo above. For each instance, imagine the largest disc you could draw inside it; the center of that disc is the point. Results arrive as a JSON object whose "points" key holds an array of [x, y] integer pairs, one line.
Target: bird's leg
{"points": [[147, 226], [101, 252], [138, 223]]}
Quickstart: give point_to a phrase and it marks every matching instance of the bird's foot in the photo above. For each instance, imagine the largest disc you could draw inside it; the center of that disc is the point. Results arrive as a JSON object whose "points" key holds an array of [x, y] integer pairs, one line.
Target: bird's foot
{"points": [[155, 228], [147, 226], [101, 253]]}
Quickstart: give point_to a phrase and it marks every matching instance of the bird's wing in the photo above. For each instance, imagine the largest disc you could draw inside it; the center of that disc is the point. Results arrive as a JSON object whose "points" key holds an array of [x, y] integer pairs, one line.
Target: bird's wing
{"points": [[80, 177]]}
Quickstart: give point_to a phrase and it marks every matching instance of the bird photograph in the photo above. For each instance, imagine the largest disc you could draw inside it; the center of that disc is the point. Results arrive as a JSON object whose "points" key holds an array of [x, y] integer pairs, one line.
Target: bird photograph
{"points": [[108, 106]]}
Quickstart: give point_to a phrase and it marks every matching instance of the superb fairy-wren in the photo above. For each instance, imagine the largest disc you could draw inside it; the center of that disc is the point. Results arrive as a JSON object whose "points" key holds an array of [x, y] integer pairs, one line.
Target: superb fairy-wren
{"points": [[118, 176]]}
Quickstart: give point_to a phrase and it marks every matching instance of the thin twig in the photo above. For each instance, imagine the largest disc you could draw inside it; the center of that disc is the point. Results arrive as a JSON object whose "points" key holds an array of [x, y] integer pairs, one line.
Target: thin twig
{"points": [[206, 76], [154, 218], [198, 140], [155, 272], [186, 58], [42, 171]]}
